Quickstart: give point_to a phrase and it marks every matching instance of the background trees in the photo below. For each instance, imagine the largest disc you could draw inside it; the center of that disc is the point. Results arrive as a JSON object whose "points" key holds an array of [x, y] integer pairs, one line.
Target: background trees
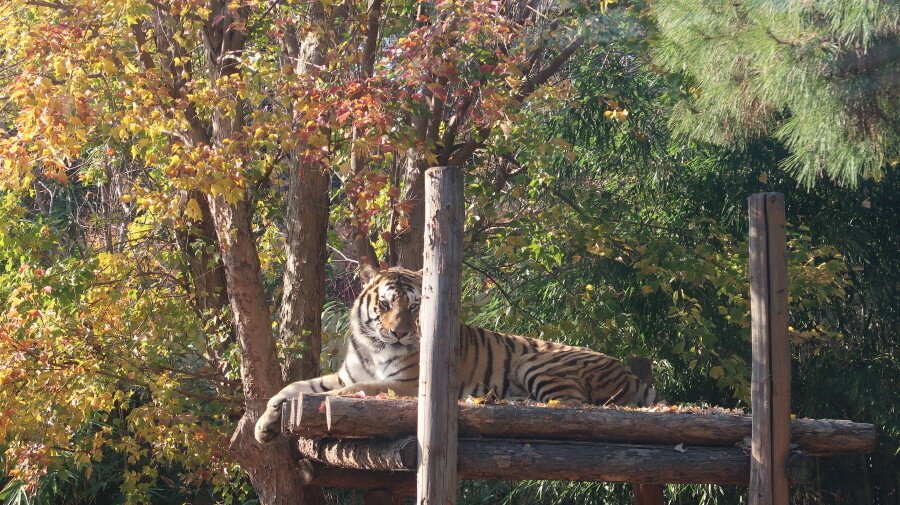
{"points": [[182, 179]]}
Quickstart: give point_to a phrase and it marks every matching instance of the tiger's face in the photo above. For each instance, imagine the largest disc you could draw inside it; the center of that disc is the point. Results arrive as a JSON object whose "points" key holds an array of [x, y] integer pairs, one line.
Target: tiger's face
{"points": [[387, 310]]}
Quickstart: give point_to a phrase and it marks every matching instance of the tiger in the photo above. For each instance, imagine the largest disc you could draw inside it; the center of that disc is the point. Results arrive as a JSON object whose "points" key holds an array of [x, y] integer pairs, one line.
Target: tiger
{"points": [[383, 355]]}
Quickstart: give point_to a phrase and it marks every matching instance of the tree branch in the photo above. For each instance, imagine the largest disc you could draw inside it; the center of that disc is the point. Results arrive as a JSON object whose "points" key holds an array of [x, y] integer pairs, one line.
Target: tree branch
{"points": [[548, 71], [52, 5]]}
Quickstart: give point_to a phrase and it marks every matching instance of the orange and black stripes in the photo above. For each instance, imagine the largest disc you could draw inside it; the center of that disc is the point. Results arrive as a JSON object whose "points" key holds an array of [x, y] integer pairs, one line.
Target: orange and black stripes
{"points": [[510, 366], [384, 349]]}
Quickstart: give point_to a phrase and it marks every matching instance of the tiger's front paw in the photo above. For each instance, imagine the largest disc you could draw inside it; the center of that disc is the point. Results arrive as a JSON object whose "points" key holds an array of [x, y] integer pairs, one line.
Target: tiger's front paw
{"points": [[268, 426]]}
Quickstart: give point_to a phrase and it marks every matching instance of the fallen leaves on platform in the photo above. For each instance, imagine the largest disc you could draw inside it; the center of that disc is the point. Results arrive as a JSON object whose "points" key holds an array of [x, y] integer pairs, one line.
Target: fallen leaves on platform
{"points": [[491, 399]]}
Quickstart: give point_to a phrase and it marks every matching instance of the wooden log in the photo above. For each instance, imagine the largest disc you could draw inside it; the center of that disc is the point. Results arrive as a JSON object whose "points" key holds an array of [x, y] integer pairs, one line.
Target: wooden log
{"points": [[318, 474], [770, 385], [507, 459], [303, 416], [439, 327], [361, 453], [347, 417]]}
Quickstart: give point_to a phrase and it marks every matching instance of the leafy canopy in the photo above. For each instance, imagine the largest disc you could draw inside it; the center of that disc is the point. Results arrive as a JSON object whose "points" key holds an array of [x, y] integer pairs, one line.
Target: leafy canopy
{"points": [[820, 76]]}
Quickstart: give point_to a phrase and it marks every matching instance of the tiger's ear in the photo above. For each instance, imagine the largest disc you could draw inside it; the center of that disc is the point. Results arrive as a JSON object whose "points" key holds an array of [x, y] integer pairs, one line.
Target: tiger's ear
{"points": [[366, 271]]}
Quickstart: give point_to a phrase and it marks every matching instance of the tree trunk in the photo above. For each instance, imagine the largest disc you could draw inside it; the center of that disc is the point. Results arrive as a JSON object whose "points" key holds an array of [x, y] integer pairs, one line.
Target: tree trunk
{"points": [[410, 243], [207, 273], [306, 225], [272, 470], [304, 268]]}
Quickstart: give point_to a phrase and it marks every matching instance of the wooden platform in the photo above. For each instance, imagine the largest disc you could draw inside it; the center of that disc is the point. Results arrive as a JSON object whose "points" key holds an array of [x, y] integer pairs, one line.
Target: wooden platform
{"points": [[349, 441]]}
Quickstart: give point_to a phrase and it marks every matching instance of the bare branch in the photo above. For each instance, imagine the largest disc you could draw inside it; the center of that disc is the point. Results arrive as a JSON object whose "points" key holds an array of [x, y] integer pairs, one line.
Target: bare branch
{"points": [[373, 19], [52, 5], [548, 71], [453, 128]]}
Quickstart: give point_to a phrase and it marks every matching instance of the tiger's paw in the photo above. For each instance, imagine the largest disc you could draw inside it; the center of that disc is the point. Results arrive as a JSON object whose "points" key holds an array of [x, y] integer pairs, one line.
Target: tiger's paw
{"points": [[268, 426]]}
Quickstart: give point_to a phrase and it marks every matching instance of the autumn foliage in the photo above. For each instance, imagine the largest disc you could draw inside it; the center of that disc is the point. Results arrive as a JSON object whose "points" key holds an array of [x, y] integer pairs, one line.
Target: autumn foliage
{"points": [[187, 186]]}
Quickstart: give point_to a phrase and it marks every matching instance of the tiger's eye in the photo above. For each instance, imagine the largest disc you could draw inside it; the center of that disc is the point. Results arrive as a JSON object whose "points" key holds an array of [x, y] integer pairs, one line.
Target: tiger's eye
{"points": [[384, 305]]}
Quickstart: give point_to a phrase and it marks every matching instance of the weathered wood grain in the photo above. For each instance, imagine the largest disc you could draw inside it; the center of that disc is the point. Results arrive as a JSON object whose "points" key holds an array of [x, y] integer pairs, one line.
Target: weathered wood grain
{"points": [[347, 417], [506, 459], [770, 386], [439, 329]]}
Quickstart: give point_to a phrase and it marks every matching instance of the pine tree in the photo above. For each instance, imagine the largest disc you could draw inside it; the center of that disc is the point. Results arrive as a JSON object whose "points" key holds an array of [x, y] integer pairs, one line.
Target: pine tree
{"points": [[821, 76]]}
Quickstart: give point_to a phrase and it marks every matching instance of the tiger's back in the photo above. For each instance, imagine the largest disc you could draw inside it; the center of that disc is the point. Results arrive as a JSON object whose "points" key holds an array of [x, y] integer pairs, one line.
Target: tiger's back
{"points": [[512, 366]]}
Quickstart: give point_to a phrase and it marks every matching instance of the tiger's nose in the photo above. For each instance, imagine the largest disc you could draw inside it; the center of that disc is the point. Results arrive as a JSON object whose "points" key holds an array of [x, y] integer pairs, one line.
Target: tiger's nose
{"points": [[401, 333]]}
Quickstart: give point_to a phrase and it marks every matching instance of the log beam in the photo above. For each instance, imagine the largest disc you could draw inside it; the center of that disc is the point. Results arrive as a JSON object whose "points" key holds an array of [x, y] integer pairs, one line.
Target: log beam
{"points": [[304, 416], [506, 459], [361, 453], [347, 417], [318, 474]]}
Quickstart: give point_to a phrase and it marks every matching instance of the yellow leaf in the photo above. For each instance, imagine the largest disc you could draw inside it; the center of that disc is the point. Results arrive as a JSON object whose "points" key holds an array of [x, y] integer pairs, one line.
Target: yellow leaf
{"points": [[764, 178], [475, 400], [59, 67], [109, 66], [317, 139], [193, 210], [716, 372], [646, 289]]}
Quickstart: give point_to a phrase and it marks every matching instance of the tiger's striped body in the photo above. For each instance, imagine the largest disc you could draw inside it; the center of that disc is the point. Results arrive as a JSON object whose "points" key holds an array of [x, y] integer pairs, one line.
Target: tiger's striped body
{"points": [[383, 354]]}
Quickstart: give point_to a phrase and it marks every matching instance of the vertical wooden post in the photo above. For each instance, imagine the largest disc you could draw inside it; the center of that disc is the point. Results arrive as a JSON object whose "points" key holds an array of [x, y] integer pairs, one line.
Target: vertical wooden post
{"points": [[770, 387], [439, 327], [648, 494], [645, 494]]}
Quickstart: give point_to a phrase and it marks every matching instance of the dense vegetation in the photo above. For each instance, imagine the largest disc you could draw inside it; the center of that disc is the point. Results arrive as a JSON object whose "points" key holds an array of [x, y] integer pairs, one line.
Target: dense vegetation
{"points": [[607, 177]]}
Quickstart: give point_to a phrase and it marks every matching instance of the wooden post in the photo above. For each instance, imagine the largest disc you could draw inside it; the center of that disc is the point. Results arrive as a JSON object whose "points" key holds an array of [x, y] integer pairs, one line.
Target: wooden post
{"points": [[439, 327], [645, 494], [648, 494], [770, 386]]}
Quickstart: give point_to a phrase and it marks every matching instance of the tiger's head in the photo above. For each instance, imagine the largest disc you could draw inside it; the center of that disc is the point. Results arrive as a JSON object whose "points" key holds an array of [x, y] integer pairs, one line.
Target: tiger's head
{"points": [[386, 312]]}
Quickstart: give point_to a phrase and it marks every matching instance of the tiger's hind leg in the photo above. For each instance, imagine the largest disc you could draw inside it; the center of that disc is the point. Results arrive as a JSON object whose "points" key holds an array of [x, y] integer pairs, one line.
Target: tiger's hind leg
{"points": [[550, 376]]}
